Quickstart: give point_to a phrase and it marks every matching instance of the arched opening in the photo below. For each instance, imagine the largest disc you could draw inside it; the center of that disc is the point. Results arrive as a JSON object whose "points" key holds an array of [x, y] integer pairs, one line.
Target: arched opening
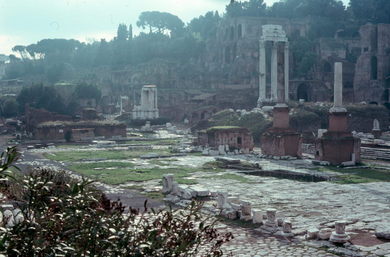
{"points": [[227, 55], [385, 96], [231, 33], [303, 92], [327, 67], [239, 31], [374, 68]]}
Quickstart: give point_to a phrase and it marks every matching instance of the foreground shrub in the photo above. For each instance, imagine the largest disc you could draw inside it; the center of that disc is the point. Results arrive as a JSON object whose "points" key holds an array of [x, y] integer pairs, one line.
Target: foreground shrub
{"points": [[63, 216]]}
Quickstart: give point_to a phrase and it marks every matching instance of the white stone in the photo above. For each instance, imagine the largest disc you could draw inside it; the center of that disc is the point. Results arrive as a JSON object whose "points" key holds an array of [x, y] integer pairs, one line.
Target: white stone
{"points": [[312, 233], [185, 193], [167, 182], [287, 228], [257, 217], [9, 218], [321, 132], [339, 236], [271, 218], [324, 234], [375, 125], [221, 150], [148, 107], [246, 210], [222, 200]]}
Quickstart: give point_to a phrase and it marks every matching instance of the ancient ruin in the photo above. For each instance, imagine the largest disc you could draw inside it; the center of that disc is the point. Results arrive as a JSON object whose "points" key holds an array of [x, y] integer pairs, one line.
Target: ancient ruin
{"points": [[148, 106], [274, 35], [280, 140], [338, 146], [227, 139]]}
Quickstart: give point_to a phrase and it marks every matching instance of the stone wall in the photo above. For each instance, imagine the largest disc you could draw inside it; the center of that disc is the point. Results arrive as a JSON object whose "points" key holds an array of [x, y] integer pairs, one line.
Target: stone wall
{"points": [[59, 131]]}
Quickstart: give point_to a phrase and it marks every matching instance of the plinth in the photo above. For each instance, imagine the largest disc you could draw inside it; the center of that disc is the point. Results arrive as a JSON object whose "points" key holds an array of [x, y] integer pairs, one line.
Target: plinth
{"points": [[338, 146], [281, 140]]}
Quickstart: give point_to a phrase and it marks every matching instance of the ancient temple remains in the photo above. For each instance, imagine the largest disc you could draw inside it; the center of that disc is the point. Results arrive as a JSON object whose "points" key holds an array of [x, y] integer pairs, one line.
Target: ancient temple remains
{"points": [[280, 140], [338, 146], [148, 107], [274, 35]]}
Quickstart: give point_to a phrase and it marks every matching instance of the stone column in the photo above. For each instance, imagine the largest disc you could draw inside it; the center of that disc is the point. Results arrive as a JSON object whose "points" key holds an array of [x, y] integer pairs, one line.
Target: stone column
{"points": [[274, 72], [286, 72], [338, 88], [262, 74]]}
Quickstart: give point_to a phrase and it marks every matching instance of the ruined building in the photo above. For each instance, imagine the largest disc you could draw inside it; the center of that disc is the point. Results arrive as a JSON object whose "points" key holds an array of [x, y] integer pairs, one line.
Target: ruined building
{"points": [[148, 107]]}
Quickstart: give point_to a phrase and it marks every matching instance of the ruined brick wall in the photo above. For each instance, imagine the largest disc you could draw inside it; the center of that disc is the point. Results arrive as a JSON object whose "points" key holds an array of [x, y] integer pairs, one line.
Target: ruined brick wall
{"points": [[372, 67], [110, 131], [234, 138], [33, 117]]}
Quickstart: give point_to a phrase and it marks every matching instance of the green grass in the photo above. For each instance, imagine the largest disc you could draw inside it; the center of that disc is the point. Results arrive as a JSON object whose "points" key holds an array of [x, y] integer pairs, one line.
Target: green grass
{"points": [[102, 165], [186, 181], [70, 146], [167, 141], [154, 195], [122, 175], [359, 174], [73, 156]]}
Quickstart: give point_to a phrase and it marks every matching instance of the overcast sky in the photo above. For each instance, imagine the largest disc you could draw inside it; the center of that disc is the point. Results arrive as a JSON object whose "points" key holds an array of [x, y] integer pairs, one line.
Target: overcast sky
{"points": [[26, 21]]}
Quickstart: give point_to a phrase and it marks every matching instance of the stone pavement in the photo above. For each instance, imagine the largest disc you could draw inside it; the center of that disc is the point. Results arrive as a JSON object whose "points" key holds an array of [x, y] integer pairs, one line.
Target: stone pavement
{"points": [[249, 244]]}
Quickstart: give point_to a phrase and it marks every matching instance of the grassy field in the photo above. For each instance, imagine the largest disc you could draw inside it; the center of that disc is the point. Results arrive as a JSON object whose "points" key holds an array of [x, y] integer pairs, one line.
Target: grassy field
{"points": [[362, 174], [166, 141], [73, 156], [119, 172]]}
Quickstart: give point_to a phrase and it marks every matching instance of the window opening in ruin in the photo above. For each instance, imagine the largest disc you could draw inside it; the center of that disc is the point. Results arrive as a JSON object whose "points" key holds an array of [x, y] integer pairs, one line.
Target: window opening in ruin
{"points": [[231, 33], [239, 140], [374, 68], [327, 67], [302, 92], [239, 31], [227, 55], [385, 96]]}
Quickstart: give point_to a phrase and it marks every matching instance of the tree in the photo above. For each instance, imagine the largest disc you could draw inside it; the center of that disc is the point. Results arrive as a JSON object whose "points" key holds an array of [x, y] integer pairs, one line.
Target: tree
{"points": [[376, 11], [254, 8], [122, 33], [41, 97], [9, 108], [21, 50], [234, 9], [85, 91], [205, 26], [160, 22]]}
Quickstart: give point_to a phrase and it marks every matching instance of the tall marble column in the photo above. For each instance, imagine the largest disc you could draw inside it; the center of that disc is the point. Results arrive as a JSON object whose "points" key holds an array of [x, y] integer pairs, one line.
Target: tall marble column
{"points": [[338, 88], [262, 74], [274, 72], [286, 73]]}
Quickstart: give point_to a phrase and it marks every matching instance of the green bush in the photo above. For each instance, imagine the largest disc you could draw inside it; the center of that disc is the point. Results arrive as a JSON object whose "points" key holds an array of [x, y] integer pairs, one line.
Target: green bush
{"points": [[64, 216]]}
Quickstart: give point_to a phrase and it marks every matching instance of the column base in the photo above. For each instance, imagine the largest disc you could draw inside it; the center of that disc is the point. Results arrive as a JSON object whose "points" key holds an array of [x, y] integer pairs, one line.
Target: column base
{"points": [[281, 142], [339, 238], [338, 148]]}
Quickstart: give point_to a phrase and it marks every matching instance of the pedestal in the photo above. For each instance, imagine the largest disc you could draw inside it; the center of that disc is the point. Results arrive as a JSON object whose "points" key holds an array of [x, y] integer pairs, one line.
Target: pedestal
{"points": [[280, 140], [377, 133], [338, 146]]}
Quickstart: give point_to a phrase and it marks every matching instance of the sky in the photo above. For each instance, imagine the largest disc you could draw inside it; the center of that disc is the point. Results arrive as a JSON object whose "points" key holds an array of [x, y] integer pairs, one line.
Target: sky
{"points": [[23, 22]]}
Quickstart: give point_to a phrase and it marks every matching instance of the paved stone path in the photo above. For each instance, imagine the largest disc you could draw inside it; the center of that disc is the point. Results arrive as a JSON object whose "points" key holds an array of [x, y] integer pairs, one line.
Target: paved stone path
{"points": [[248, 243]]}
